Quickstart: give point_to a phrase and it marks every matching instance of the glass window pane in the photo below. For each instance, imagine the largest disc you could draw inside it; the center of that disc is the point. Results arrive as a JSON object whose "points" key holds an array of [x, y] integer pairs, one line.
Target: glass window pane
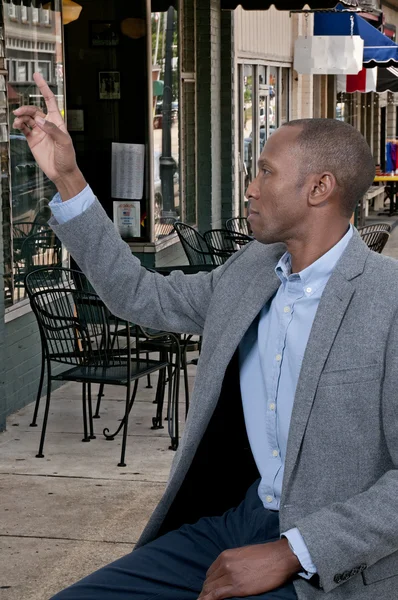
{"points": [[284, 109], [273, 98], [44, 69], [29, 191], [22, 71], [165, 110], [248, 122]]}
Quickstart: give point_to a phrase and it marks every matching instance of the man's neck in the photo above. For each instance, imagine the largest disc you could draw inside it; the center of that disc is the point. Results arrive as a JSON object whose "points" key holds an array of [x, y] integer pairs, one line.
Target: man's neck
{"points": [[305, 252]]}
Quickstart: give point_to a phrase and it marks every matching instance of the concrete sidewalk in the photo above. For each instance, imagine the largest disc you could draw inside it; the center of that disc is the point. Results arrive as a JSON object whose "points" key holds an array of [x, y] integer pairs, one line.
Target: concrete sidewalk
{"points": [[65, 515]]}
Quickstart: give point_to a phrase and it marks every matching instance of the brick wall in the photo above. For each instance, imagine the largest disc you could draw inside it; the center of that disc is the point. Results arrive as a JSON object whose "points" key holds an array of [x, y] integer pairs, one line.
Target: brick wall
{"points": [[22, 359], [188, 124], [227, 114], [208, 64]]}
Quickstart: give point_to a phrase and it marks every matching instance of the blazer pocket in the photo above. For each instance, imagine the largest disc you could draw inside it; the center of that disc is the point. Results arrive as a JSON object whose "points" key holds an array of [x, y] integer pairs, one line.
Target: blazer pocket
{"points": [[384, 569], [351, 375]]}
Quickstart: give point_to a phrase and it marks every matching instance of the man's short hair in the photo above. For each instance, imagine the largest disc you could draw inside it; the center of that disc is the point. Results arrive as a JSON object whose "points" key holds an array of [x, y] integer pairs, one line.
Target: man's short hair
{"points": [[337, 147]]}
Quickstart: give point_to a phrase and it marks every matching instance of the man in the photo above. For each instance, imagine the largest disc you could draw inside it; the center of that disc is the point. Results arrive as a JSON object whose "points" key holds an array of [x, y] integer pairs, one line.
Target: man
{"points": [[303, 322]]}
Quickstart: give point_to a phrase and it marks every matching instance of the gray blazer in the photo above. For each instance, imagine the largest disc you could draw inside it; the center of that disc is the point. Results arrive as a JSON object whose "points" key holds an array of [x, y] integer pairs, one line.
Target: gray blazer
{"points": [[340, 483]]}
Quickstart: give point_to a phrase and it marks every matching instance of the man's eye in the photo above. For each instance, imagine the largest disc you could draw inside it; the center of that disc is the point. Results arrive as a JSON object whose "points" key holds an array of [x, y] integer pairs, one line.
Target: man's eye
{"points": [[265, 170]]}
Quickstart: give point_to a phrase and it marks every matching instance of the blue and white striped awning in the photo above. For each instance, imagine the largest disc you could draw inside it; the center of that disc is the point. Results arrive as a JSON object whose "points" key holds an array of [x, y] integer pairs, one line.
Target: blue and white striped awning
{"points": [[379, 50]]}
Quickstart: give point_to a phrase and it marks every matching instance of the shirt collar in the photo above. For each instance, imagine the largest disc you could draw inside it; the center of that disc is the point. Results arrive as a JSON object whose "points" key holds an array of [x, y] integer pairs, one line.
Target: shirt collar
{"points": [[317, 274]]}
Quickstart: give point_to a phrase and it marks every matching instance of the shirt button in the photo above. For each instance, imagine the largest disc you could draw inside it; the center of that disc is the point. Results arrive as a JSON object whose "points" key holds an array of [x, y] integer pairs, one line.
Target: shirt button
{"points": [[272, 406], [308, 290], [275, 453], [278, 357], [269, 498], [286, 309]]}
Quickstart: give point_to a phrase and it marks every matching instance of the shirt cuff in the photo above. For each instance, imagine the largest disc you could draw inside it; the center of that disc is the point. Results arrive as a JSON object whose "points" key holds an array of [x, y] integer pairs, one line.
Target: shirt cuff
{"points": [[299, 548], [65, 211]]}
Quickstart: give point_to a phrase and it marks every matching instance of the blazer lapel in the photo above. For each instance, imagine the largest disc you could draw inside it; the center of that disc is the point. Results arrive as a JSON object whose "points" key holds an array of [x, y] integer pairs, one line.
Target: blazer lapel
{"points": [[332, 308]]}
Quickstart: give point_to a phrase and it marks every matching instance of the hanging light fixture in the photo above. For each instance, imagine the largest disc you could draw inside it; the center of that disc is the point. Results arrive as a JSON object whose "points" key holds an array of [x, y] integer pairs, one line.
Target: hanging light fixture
{"points": [[133, 28], [70, 10]]}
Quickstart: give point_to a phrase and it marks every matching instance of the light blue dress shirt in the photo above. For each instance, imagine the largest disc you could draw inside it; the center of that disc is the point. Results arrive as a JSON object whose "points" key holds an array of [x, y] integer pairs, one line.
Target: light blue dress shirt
{"points": [[270, 357], [270, 354]]}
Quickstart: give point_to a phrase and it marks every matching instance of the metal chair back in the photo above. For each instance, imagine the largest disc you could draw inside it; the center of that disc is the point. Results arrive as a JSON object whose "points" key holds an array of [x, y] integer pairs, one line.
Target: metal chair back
{"points": [[222, 243], [376, 240], [375, 227], [238, 224], [194, 244], [77, 329]]}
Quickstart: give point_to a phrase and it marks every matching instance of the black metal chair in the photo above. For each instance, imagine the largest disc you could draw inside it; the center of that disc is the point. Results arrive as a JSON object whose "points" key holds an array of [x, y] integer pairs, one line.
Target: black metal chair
{"points": [[238, 224], [376, 239], [167, 345], [221, 243], [224, 242], [194, 245], [375, 227], [78, 331]]}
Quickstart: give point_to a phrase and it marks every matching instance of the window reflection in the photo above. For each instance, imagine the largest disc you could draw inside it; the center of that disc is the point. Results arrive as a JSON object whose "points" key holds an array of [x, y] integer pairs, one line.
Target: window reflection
{"points": [[30, 49], [248, 122], [165, 108], [273, 98], [284, 113]]}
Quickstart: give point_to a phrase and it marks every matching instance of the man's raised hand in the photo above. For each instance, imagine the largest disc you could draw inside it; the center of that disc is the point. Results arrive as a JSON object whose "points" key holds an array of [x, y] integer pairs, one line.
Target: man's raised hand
{"points": [[50, 142]]}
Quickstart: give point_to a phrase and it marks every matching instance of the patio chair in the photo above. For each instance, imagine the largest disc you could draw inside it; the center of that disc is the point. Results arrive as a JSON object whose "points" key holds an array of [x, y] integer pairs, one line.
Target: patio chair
{"points": [[220, 241], [375, 227], [194, 245], [238, 224], [78, 331], [167, 345], [224, 241], [376, 239]]}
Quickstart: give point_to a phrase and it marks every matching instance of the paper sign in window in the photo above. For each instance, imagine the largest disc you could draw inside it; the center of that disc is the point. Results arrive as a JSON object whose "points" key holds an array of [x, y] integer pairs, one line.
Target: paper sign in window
{"points": [[128, 171]]}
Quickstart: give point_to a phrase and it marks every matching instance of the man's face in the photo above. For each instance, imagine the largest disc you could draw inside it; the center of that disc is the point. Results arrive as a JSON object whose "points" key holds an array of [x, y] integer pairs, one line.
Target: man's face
{"points": [[277, 197]]}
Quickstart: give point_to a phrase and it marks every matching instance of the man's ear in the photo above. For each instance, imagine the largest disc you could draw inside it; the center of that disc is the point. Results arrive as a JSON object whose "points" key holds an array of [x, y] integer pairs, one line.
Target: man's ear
{"points": [[322, 187]]}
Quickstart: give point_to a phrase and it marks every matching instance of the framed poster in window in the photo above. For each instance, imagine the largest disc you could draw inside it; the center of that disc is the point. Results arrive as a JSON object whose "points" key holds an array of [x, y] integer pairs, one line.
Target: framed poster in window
{"points": [[109, 85]]}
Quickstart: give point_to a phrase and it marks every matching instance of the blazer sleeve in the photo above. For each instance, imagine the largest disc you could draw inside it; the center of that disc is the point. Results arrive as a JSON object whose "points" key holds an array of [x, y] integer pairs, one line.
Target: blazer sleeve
{"points": [[348, 537], [175, 303]]}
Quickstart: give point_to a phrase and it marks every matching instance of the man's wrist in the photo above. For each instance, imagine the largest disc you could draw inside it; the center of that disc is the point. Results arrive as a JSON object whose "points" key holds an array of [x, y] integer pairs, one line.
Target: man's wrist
{"points": [[71, 185], [290, 560]]}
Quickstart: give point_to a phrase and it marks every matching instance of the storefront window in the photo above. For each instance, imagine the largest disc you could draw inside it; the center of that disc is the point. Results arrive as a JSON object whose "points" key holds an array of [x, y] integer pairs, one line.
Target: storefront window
{"points": [[248, 122], [273, 98], [284, 108], [25, 203], [262, 106], [165, 82]]}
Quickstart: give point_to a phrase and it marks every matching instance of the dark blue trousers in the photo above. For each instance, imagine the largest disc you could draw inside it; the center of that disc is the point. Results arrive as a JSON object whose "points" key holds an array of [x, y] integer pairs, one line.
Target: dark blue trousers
{"points": [[174, 566]]}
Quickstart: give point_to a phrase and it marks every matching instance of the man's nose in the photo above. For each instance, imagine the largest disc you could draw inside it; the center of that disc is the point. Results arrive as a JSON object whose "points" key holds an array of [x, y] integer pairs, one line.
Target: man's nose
{"points": [[253, 190]]}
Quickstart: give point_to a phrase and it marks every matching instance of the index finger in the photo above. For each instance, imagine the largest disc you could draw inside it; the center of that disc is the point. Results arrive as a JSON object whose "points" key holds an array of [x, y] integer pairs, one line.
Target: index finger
{"points": [[47, 94]]}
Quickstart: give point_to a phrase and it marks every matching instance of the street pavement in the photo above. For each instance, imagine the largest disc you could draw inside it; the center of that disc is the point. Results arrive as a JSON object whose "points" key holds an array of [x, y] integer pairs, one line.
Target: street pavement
{"points": [[75, 510]]}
